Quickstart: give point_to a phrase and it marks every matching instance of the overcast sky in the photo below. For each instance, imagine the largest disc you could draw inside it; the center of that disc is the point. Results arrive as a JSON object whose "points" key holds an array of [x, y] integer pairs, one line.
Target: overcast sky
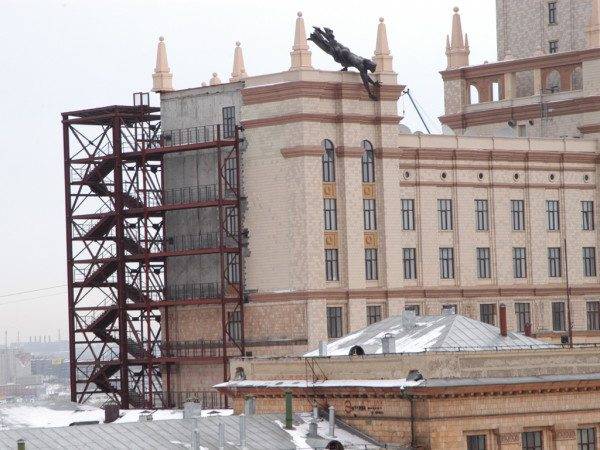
{"points": [[61, 55]]}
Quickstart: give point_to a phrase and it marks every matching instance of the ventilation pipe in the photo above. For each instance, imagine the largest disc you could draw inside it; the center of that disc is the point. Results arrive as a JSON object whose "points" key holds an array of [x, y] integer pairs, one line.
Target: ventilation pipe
{"points": [[111, 412], [21, 444], [243, 432], [388, 344], [322, 348], [331, 421], [195, 439], [288, 410], [221, 436], [503, 327]]}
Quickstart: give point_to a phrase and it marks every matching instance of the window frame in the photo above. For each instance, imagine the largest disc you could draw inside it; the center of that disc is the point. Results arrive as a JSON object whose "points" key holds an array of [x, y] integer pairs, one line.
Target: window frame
{"points": [[233, 268], [476, 442], [587, 215], [482, 215], [371, 265], [523, 315], [554, 262], [335, 322], [368, 162], [414, 308], [517, 215], [590, 442], [408, 214], [559, 317], [552, 13], [445, 213], [330, 214], [228, 130], [589, 261], [409, 263], [532, 440], [374, 314], [592, 310], [369, 214], [332, 272], [234, 325], [553, 213], [519, 262], [553, 46], [328, 161], [446, 255], [484, 264], [487, 313]]}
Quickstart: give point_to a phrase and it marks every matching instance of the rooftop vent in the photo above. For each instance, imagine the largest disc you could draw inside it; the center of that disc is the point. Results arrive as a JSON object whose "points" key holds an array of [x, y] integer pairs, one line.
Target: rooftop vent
{"points": [[388, 344], [356, 350], [408, 320], [414, 375]]}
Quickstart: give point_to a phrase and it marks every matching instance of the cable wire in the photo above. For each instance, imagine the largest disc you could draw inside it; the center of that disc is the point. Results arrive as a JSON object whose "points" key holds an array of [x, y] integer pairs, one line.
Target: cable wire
{"points": [[33, 290]]}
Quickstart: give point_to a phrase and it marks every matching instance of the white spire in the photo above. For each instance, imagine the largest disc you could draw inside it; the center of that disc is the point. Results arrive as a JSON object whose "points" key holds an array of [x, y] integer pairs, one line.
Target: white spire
{"points": [[214, 80], [239, 71], [457, 47], [301, 56], [162, 78], [593, 29], [382, 56]]}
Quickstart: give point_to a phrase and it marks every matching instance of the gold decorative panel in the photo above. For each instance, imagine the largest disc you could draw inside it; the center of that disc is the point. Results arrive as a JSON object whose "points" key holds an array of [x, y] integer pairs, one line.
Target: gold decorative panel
{"points": [[368, 190], [371, 240], [331, 239], [329, 190]]}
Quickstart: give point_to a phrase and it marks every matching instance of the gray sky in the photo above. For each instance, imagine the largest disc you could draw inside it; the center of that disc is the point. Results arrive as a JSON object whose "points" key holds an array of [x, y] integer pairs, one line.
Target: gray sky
{"points": [[61, 55]]}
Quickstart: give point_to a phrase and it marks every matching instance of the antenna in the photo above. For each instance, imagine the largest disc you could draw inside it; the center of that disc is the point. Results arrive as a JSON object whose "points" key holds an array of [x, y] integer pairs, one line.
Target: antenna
{"points": [[407, 92]]}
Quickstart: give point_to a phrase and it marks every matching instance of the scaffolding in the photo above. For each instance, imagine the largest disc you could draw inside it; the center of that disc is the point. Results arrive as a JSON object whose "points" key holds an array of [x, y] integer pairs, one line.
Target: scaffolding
{"points": [[118, 251]]}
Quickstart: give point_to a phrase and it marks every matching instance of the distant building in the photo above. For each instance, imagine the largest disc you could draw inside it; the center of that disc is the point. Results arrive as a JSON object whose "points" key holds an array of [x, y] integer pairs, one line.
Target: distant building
{"points": [[14, 363]]}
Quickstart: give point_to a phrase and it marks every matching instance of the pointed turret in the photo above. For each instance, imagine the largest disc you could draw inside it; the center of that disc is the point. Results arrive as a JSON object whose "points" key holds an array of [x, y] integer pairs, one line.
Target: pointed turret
{"points": [[162, 78], [301, 56], [457, 47], [214, 80], [382, 56], [593, 29], [239, 71]]}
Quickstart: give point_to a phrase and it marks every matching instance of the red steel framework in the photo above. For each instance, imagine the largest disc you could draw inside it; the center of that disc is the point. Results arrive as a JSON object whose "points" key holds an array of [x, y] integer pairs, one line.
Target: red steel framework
{"points": [[118, 250]]}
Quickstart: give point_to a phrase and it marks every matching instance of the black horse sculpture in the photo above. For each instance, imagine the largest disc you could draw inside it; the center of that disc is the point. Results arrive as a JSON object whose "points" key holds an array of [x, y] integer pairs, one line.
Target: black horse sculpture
{"points": [[326, 41]]}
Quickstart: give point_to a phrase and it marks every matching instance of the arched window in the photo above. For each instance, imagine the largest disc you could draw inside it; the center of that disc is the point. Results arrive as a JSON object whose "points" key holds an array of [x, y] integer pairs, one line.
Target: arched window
{"points": [[577, 79], [328, 161], [473, 94], [553, 81], [368, 163]]}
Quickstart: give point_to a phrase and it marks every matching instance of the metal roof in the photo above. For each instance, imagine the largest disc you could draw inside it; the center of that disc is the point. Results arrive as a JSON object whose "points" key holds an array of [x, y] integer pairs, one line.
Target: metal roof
{"points": [[444, 333]]}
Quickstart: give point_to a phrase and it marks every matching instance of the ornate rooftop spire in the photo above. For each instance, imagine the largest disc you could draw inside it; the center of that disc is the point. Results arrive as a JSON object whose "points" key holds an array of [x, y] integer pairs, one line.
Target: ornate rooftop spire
{"points": [[593, 29], [301, 56], [162, 78], [382, 56], [457, 47], [214, 80], [239, 71]]}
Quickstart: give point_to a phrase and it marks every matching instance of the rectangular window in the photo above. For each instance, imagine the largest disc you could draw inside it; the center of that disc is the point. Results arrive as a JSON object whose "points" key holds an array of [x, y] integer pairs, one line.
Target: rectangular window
{"points": [[554, 265], [481, 215], [230, 173], [532, 440], [593, 315], [553, 215], [446, 262], [552, 13], [233, 268], [369, 214], [487, 313], [558, 316], [553, 47], [523, 313], [587, 215], [334, 322], [331, 265], [228, 121], [414, 308], [589, 261], [371, 263], [410, 263], [484, 269], [373, 314], [445, 214], [518, 214], [519, 262], [586, 439], [449, 309], [476, 442], [408, 214], [234, 325], [231, 220], [330, 213]]}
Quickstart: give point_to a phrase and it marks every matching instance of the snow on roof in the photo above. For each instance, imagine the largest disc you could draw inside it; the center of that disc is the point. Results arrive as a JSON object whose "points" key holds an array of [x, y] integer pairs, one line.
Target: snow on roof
{"points": [[444, 333], [288, 384]]}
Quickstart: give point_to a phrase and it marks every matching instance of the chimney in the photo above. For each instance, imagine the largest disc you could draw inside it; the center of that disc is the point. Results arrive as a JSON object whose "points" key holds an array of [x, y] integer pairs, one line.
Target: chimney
{"points": [[331, 421], [322, 348], [503, 328], [388, 344], [288, 410], [221, 436], [408, 320], [243, 432], [111, 412], [528, 329]]}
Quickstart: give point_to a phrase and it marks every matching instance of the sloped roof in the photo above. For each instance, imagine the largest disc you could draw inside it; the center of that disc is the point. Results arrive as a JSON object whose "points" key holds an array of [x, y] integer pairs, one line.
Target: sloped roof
{"points": [[444, 333]]}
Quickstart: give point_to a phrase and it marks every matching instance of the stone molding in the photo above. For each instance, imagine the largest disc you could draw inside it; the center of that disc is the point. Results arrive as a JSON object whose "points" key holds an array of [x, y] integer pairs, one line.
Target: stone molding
{"points": [[302, 150], [363, 119], [510, 438], [565, 435], [349, 152], [483, 184]]}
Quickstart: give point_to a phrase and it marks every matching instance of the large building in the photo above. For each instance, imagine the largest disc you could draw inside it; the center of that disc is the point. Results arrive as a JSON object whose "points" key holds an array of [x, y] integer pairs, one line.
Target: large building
{"points": [[305, 215]]}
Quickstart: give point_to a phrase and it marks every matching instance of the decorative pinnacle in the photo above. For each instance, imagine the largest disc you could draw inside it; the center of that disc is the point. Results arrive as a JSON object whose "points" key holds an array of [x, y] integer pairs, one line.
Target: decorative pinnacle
{"points": [[456, 9], [381, 19], [161, 38], [238, 43], [299, 13]]}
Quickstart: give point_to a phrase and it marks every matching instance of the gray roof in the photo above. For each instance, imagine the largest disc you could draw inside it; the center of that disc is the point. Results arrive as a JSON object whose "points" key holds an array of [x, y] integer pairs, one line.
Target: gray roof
{"points": [[458, 382], [444, 333]]}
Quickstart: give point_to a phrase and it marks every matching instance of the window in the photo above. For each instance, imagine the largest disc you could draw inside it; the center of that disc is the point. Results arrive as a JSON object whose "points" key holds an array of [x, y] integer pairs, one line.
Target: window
{"points": [[552, 13], [522, 130], [328, 160], [481, 215], [553, 215], [408, 214], [371, 263], [484, 269], [373, 314], [230, 173], [518, 214], [523, 313], [554, 266], [447, 262], [589, 261], [532, 440], [369, 214], [487, 313], [331, 265], [410, 263], [449, 309], [368, 163], [586, 439], [231, 220], [445, 214], [519, 262], [228, 121], [587, 215], [558, 316], [334, 321], [593, 315], [414, 308], [233, 268], [330, 212], [234, 325], [553, 47], [476, 442]]}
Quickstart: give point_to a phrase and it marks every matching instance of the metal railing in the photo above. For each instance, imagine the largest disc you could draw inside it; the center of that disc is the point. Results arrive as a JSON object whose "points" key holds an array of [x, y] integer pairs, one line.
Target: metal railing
{"points": [[193, 349], [186, 136], [192, 291], [208, 398]]}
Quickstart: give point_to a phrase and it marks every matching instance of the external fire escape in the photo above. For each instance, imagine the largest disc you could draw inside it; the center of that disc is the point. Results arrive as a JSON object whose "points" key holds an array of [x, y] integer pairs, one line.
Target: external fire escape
{"points": [[118, 248]]}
